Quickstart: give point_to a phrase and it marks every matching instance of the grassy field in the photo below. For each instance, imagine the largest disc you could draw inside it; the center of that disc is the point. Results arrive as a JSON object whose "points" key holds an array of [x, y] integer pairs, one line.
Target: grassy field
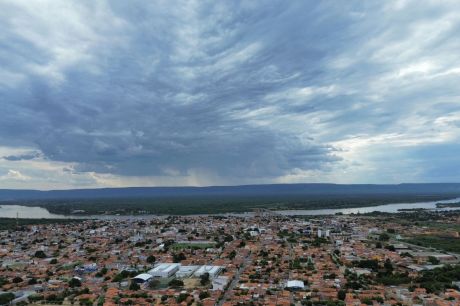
{"points": [[449, 244], [444, 226], [191, 283]]}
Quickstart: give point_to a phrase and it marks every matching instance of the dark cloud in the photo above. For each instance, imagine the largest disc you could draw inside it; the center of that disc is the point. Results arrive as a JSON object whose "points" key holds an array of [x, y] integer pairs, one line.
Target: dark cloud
{"points": [[248, 89], [27, 156]]}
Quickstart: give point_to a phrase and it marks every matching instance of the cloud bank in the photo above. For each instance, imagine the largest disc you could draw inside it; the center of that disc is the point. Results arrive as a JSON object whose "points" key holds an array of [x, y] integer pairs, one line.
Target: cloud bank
{"points": [[110, 93]]}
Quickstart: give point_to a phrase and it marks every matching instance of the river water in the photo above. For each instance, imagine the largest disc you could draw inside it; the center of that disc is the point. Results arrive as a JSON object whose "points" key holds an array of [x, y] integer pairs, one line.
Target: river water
{"points": [[28, 212]]}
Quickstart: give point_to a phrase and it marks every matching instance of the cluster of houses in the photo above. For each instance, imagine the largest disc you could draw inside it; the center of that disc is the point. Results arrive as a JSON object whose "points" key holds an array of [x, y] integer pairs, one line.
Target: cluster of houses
{"points": [[216, 260]]}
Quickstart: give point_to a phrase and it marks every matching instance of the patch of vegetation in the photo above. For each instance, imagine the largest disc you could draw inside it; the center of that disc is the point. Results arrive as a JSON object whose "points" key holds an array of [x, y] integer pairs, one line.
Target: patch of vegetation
{"points": [[439, 279], [74, 282], [449, 244], [175, 283], [179, 257], [444, 226], [394, 279], [371, 264], [185, 205], [6, 298], [3, 281], [123, 275], [204, 279], [446, 205], [40, 254], [194, 246], [134, 286], [21, 224]]}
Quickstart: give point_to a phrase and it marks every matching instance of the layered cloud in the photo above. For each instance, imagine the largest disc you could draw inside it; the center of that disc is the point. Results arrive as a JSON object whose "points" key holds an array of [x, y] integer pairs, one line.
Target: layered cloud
{"points": [[97, 93]]}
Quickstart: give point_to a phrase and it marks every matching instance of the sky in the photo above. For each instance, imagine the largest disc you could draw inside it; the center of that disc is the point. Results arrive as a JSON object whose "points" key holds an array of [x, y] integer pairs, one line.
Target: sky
{"points": [[168, 93]]}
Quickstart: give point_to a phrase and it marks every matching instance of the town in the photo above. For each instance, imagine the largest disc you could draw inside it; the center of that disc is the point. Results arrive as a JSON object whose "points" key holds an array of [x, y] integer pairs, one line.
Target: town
{"points": [[258, 259]]}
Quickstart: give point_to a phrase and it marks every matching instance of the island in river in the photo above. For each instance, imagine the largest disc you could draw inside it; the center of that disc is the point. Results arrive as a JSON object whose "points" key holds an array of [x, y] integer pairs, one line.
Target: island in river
{"points": [[448, 205]]}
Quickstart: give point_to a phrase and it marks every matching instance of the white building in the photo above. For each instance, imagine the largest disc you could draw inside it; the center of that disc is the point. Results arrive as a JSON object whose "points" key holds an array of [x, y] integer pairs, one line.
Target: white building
{"points": [[142, 278], [164, 270], [295, 284], [212, 270], [186, 271], [219, 283]]}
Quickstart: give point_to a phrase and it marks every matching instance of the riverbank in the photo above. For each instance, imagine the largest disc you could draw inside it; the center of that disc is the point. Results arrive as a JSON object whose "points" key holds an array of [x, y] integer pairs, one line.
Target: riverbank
{"points": [[218, 204], [23, 211], [448, 205]]}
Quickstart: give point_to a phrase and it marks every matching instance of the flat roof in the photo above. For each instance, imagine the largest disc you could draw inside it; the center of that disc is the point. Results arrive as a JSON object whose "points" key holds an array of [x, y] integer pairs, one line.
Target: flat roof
{"points": [[165, 267], [295, 284], [209, 269], [143, 276], [187, 268]]}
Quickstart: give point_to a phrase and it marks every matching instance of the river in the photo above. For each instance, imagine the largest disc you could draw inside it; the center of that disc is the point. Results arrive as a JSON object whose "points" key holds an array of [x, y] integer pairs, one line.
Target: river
{"points": [[28, 212]]}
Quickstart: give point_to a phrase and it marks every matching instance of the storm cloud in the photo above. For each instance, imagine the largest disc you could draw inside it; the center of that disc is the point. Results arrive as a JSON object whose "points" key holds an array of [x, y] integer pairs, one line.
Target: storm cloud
{"points": [[259, 91]]}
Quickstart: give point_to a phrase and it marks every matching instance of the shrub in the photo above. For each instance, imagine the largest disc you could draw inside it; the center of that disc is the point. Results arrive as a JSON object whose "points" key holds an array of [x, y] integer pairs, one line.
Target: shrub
{"points": [[203, 295], [176, 283], [40, 254], [74, 282], [134, 286], [151, 259], [6, 298], [17, 280]]}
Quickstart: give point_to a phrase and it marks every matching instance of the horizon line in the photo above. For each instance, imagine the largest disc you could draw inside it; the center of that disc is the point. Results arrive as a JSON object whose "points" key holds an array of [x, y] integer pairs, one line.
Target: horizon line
{"points": [[238, 185]]}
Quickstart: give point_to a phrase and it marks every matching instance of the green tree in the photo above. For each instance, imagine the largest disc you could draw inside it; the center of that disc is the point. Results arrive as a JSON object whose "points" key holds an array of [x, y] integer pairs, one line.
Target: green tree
{"points": [[6, 298], [231, 255], [204, 279], [134, 286], [40, 254], [151, 259], [341, 295], [154, 283], [203, 295], [182, 297], [179, 257], [433, 260], [17, 280], [176, 283], [74, 282], [228, 238], [388, 266], [367, 264], [391, 248]]}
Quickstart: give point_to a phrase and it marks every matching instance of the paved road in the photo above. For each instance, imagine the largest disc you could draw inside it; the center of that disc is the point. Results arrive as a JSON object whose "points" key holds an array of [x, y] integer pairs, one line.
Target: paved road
{"points": [[236, 278]]}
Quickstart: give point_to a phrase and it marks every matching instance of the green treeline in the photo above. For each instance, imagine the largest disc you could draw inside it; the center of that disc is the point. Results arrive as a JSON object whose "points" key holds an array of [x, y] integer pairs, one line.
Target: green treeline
{"points": [[214, 205]]}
